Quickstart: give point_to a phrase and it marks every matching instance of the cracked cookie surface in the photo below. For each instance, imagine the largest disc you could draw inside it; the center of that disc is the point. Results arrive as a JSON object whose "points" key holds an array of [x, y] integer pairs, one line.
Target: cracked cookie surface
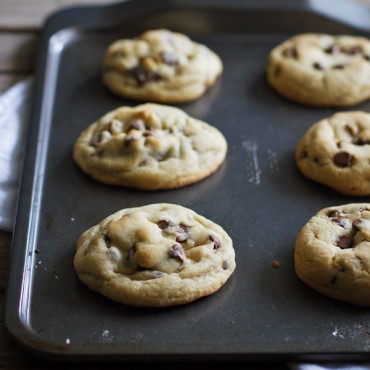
{"points": [[336, 152], [332, 253], [149, 147], [160, 66], [321, 70], [155, 255]]}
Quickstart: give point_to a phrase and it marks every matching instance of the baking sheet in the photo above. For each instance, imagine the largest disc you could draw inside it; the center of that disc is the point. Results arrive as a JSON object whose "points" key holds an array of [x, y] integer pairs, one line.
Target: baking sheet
{"points": [[258, 196]]}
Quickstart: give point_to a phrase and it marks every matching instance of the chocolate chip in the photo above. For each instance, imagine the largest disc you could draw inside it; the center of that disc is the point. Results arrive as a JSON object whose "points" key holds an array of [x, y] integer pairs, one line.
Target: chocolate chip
{"points": [[303, 154], [163, 224], [96, 140], [135, 124], [341, 221], [176, 251], [339, 66], [142, 76], [290, 53], [275, 264], [335, 213], [356, 224], [107, 238], [131, 252], [318, 66], [344, 242], [148, 133], [343, 159], [216, 241], [353, 51], [169, 59], [333, 49], [358, 141], [225, 265], [367, 57]]}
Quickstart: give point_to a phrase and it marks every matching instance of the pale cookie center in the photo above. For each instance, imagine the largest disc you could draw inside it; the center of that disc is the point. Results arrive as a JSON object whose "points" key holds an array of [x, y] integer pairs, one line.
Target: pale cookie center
{"points": [[151, 248], [143, 135], [334, 57]]}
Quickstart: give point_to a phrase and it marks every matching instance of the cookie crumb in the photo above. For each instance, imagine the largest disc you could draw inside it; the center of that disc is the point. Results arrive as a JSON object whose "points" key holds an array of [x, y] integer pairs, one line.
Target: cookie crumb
{"points": [[275, 264], [68, 341]]}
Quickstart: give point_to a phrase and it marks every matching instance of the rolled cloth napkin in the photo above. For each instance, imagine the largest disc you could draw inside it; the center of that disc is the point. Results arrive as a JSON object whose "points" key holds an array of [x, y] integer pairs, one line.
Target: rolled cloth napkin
{"points": [[14, 116]]}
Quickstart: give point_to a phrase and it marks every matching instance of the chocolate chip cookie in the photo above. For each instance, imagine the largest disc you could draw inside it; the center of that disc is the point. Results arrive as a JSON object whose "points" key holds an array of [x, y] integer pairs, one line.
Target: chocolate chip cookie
{"points": [[149, 147], [160, 66], [322, 70], [332, 253], [155, 255], [336, 152]]}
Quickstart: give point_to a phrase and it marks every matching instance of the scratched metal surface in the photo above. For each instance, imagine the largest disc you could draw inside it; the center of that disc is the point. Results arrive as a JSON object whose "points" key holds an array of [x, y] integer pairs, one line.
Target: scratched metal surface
{"points": [[258, 196]]}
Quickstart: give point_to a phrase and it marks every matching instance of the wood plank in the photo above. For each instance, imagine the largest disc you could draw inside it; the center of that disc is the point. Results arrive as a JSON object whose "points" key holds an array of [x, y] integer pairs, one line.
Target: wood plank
{"points": [[18, 52], [30, 14]]}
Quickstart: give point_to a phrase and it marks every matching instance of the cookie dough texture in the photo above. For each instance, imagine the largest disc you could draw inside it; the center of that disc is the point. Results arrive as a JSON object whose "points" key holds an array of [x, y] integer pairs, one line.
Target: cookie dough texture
{"points": [[336, 152], [332, 253], [155, 255], [322, 70], [149, 147], [160, 66]]}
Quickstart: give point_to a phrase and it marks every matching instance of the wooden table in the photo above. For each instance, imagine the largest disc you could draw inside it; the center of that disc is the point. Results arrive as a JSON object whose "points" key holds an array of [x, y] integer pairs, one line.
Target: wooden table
{"points": [[20, 24]]}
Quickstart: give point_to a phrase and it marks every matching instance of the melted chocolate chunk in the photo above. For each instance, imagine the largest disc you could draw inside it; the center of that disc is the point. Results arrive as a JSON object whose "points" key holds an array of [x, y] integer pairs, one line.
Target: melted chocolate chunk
{"points": [[333, 49], [335, 213], [163, 224], [367, 57], [345, 242], [341, 221], [107, 238], [356, 224], [343, 159], [318, 66], [216, 241], [358, 141], [339, 66], [353, 51], [142, 76], [176, 251]]}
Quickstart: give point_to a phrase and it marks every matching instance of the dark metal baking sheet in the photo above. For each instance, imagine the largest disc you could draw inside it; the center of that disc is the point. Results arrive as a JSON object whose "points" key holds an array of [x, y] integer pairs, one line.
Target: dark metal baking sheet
{"points": [[258, 195]]}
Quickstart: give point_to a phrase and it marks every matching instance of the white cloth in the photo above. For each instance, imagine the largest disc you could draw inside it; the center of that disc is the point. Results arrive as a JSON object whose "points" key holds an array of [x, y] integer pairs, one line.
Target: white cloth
{"points": [[14, 115]]}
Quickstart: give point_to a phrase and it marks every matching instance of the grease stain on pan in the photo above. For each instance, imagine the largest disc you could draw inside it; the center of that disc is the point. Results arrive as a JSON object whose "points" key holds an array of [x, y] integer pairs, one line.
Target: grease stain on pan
{"points": [[250, 148]]}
